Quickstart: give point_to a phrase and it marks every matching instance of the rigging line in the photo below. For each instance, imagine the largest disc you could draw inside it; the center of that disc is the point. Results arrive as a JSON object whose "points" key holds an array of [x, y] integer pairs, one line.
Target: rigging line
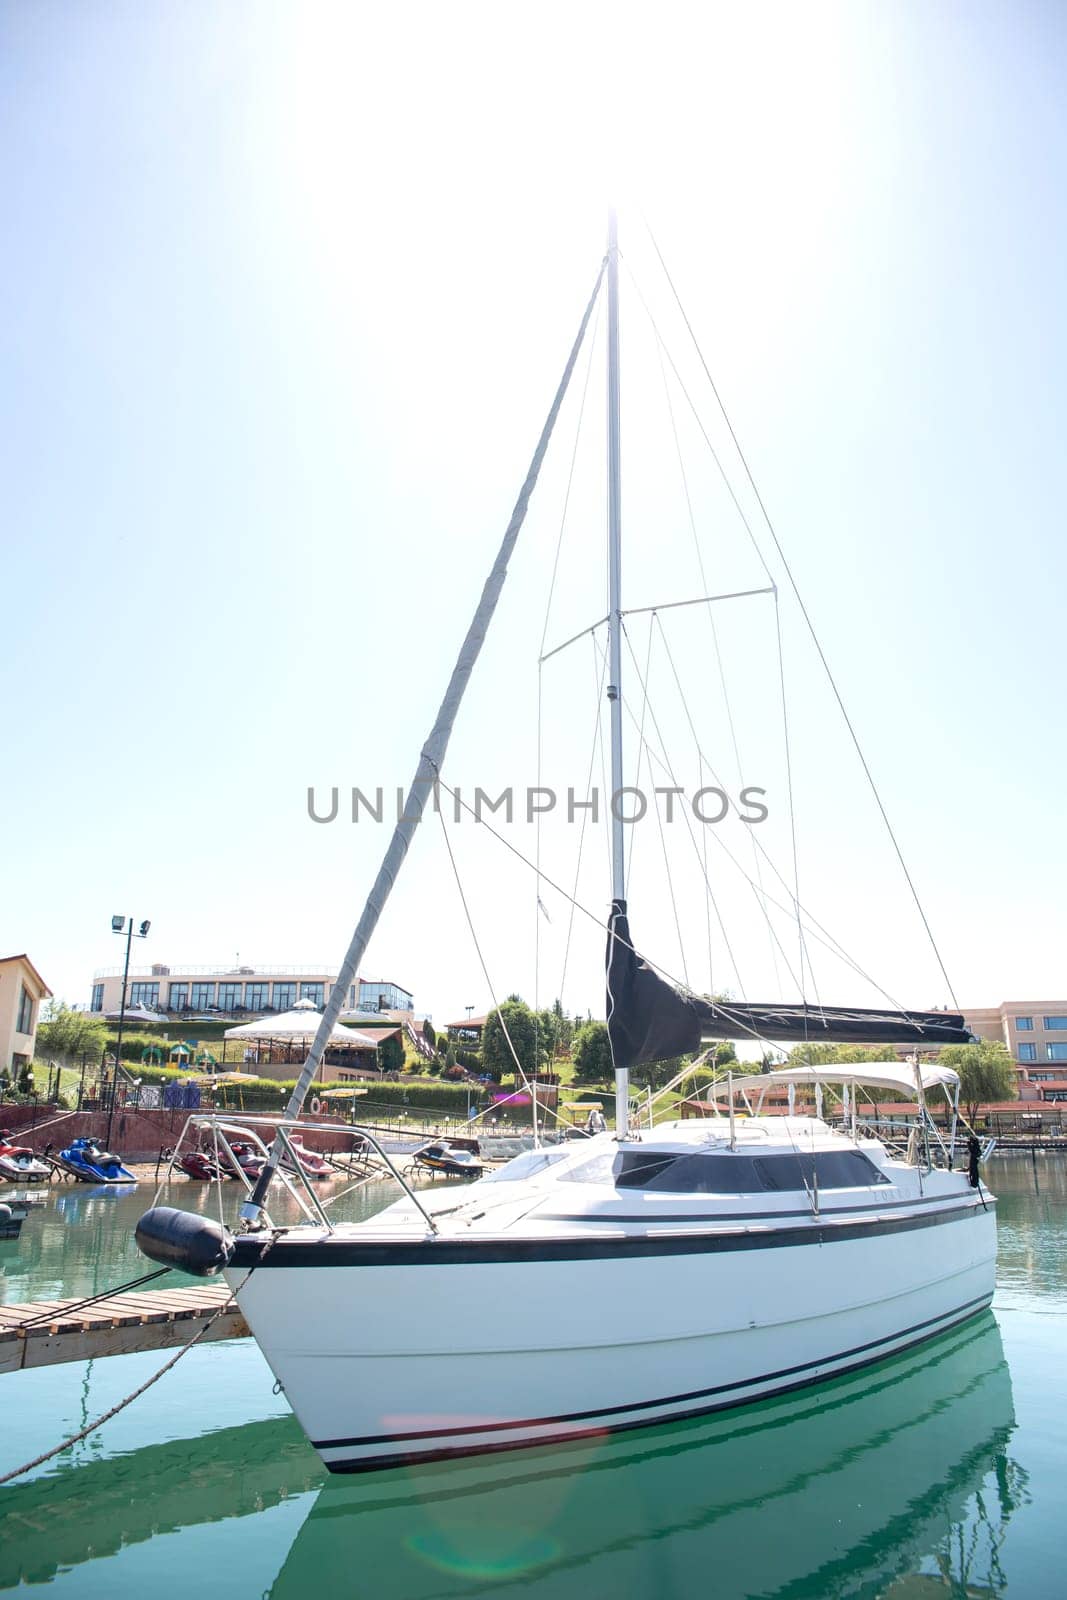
{"points": [[428, 770], [821, 934], [605, 927], [537, 879], [670, 772], [839, 953], [585, 819], [570, 474], [715, 641], [605, 787], [802, 948], [807, 619], [540, 662], [759, 891], [640, 752], [743, 1025], [670, 890], [706, 436], [485, 974]]}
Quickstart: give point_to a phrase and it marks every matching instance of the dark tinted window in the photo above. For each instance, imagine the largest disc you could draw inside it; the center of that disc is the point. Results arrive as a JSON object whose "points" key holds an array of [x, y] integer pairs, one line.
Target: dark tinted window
{"points": [[638, 1169], [706, 1174], [835, 1169], [666, 1172]]}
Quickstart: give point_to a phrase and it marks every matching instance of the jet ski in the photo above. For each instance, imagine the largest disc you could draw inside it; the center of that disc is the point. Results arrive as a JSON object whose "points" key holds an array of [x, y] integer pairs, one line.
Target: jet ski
{"points": [[198, 1164], [247, 1158], [451, 1160], [90, 1164], [310, 1161], [18, 1164]]}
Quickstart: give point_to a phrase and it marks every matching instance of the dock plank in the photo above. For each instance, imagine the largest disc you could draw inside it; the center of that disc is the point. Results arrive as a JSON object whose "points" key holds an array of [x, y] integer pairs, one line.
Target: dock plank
{"points": [[47, 1332]]}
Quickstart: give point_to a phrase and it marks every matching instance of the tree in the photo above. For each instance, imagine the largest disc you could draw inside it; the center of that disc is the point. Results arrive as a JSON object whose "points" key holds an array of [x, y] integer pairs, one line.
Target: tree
{"points": [[564, 1028], [391, 1054], [591, 1053], [64, 1032], [655, 1074], [497, 1059], [987, 1072], [547, 1036]]}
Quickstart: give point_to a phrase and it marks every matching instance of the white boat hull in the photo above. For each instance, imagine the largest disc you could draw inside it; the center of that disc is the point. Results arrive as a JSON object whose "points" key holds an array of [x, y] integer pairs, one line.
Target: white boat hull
{"points": [[391, 1352]]}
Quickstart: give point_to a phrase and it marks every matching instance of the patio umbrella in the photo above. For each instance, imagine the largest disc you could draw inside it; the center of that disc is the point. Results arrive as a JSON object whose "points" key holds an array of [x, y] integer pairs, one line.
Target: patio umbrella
{"points": [[299, 1027]]}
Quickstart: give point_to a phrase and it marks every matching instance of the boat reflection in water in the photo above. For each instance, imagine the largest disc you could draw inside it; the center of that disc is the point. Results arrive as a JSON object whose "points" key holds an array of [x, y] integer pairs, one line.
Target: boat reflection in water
{"points": [[899, 1472], [893, 1482]]}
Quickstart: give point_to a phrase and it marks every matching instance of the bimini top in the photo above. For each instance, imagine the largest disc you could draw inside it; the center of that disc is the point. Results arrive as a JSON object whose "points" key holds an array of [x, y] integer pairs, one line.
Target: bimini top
{"points": [[877, 1074]]}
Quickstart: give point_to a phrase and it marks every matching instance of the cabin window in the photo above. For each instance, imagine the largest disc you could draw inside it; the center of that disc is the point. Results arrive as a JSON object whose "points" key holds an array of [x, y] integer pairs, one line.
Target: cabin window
{"points": [[833, 1169], [639, 1169], [709, 1174], [669, 1172]]}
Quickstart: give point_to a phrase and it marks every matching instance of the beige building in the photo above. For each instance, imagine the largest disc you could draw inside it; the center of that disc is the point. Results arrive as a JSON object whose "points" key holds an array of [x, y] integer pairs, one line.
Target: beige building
{"points": [[21, 991], [1035, 1031]]}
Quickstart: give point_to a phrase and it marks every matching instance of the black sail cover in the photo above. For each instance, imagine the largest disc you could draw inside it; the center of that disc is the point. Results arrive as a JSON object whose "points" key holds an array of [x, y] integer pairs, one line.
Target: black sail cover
{"points": [[650, 1019]]}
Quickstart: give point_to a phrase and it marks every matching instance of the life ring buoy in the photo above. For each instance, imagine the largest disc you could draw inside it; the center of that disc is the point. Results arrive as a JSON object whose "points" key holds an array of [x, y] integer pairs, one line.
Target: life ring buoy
{"points": [[316, 1106]]}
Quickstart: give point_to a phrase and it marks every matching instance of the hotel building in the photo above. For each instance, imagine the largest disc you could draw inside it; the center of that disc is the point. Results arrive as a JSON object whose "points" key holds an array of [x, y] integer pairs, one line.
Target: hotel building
{"points": [[1035, 1032], [237, 991]]}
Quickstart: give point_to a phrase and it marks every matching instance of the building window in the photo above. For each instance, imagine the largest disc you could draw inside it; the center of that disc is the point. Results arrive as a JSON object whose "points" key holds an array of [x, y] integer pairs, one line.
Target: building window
{"points": [[98, 997], [284, 996], [1055, 1024], [1024, 1024], [1028, 1052], [230, 995], [202, 996], [179, 997], [256, 996], [384, 997], [1056, 1052], [315, 992], [144, 994], [25, 1019]]}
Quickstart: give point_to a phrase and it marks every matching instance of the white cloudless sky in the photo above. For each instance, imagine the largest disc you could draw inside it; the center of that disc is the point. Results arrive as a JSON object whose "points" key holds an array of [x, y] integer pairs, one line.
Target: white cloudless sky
{"points": [[288, 290]]}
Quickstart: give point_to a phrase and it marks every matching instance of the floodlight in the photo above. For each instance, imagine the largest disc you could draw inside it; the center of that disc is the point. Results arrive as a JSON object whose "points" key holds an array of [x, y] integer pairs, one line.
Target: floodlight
{"points": [[117, 924]]}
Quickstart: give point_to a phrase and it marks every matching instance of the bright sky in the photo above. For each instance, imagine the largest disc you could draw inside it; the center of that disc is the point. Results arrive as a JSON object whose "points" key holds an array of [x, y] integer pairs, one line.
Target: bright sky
{"points": [[288, 292]]}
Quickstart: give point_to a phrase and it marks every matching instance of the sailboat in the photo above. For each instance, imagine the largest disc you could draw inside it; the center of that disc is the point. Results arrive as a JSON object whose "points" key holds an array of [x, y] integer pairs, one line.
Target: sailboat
{"points": [[646, 1274]]}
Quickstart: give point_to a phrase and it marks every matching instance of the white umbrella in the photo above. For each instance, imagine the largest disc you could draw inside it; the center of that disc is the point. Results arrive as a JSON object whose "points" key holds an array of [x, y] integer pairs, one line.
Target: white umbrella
{"points": [[299, 1026]]}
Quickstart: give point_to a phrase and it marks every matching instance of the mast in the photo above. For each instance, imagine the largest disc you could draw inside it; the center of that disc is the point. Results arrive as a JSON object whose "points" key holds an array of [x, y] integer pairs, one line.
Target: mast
{"points": [[618, 854]]}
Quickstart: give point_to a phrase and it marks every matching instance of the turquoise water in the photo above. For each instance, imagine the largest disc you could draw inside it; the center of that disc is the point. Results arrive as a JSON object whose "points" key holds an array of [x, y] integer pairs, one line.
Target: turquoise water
{"points": [[936, 1474]]}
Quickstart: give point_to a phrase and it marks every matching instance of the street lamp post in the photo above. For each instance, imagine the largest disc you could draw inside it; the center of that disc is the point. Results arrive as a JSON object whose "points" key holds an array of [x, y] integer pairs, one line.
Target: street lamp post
{"points": [[119, 926]]}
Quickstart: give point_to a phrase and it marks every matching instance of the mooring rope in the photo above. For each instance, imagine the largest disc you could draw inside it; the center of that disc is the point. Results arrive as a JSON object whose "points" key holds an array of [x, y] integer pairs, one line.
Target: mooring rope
{"points": [[121, 1405], [90, 1300]]}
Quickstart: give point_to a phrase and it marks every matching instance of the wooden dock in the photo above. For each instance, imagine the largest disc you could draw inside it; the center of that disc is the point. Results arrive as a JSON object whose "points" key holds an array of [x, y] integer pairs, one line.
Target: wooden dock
{"points": [[43, 1332]]}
